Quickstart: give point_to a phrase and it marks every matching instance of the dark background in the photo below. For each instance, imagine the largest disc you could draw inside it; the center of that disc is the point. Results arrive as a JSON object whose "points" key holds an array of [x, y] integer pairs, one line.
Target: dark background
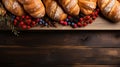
{"points": [[60, 49]]}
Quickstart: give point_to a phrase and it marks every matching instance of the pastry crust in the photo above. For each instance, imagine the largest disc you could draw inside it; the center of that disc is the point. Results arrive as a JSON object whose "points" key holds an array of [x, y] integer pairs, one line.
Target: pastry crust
{"points": [[34, 7], [14, 7], [110, 9], [70, 6], [54, 11], [87, 6]]}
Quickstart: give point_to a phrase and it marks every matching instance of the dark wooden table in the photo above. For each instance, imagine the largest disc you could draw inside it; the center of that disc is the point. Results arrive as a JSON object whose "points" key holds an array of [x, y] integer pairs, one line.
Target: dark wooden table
{"points": [[60, 49]]}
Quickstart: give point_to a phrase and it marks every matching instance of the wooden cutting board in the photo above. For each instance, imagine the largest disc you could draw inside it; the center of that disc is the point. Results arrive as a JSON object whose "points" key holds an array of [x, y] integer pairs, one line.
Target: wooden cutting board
{"points": [[99, 24]]}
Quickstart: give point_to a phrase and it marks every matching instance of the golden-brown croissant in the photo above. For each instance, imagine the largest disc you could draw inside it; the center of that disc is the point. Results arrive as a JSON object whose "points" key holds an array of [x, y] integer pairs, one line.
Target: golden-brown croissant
{"points": [[34, 7], [14, 7], [110, 9], [70, 6], [54, 11], [87, 6]]}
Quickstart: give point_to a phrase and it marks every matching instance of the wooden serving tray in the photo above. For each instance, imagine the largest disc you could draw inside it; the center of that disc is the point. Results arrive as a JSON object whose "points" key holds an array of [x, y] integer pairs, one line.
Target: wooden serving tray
{"points": [[99, 24]]}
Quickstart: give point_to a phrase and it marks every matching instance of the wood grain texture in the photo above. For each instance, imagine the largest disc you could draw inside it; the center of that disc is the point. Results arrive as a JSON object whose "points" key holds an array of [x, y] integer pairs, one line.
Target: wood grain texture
{"points": [[88, 56], [61, 38], [78, 65], [60, 49]]}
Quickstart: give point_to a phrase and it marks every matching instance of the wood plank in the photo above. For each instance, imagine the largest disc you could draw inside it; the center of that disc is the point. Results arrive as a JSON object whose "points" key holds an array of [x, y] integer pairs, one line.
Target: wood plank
{"points": [[78, 65], [73, 51], [60, 55], [59, 61], [48, 65], [61, 38], [99, 24], [74, 48]]}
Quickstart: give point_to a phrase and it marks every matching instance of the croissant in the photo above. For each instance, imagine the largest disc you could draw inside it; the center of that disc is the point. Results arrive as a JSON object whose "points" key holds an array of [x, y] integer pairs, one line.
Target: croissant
{"points": [[87, 6], [110, 9], [34, 7], [54, 11], [70, 6], [14, 7]]}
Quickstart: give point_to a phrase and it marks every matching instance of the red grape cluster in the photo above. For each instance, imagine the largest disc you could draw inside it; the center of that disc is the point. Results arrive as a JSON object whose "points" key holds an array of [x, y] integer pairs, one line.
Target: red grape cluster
{"points": [[25, 22], [81, 21]]}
